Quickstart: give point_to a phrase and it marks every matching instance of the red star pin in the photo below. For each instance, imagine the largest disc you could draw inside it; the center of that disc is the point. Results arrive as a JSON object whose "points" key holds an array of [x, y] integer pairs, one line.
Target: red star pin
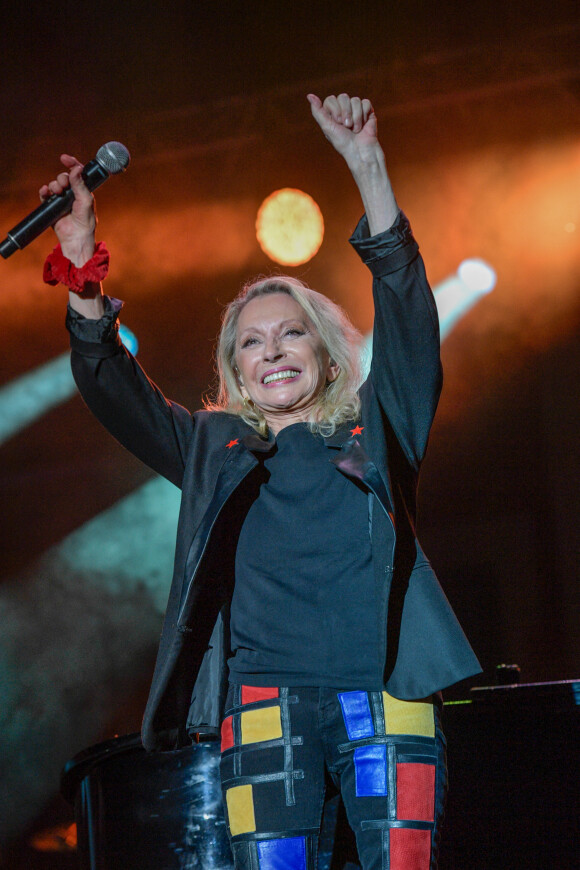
{"points": [[232, 443], [357, 430]]}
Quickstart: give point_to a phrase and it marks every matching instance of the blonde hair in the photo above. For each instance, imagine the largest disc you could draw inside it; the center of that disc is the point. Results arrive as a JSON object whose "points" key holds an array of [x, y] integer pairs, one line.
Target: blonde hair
{"points": [[338, 401]]}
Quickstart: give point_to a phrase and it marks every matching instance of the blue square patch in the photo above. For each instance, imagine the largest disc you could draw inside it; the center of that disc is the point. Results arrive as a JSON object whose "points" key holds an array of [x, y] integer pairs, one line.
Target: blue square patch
{"points": [[370, 768], [356, 712], [288, 853]]}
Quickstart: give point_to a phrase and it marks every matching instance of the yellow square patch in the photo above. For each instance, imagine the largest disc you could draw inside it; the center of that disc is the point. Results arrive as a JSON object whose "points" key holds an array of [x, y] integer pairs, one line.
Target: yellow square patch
{"points": [[240, 805], [262, 724], [408, 717]]}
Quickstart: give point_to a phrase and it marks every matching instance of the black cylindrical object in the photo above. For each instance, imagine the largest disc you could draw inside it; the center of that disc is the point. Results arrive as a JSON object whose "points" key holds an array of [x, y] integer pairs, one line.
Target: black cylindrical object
{"points": [[154, 811]]}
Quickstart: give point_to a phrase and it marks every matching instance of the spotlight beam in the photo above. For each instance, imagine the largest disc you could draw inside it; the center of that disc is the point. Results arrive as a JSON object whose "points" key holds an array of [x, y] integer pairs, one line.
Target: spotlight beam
{"points": [[25, 399], [30, 396], [79, 630]]}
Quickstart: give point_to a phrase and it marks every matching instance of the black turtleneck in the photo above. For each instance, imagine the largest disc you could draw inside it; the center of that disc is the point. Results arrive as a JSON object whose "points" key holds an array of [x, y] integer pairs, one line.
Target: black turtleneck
{"points": [[303, 611]]}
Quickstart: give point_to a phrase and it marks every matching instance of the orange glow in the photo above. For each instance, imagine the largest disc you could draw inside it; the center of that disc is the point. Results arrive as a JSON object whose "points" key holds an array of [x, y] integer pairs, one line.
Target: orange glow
{"points": [[289, 227], [516, 207], [202, 238], [62, 838], [148, 247]]}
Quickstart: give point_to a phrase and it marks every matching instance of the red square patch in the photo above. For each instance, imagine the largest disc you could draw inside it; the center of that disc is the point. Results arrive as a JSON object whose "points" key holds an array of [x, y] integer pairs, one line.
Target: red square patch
{"points": [[227, 734], [416, 792], [409, 849], [251, 694]]}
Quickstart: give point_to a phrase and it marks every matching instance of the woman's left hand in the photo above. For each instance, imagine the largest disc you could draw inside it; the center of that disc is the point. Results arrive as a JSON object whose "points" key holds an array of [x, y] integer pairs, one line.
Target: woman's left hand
{"points": [[349, 124]]}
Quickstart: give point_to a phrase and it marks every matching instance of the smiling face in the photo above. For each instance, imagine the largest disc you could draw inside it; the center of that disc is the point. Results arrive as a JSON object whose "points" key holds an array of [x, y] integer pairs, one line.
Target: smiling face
{"points": [[282, 363]]}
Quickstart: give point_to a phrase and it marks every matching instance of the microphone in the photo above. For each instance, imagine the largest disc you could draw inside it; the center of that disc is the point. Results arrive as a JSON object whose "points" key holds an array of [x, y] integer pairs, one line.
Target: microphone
{"points": [[111, 159]]}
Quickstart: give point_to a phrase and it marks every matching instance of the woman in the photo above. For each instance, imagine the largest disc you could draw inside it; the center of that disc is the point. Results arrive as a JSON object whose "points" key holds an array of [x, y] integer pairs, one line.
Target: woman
{"points": [[296, 558]]}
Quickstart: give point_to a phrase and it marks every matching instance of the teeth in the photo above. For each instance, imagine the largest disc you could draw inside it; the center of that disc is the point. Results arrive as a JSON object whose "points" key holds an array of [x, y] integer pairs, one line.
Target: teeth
{"points": [[279, 376]]}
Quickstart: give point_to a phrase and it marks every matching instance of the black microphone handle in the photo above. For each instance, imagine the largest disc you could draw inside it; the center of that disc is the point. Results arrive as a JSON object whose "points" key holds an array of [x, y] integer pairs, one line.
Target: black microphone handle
{"points": [[48, 212]]}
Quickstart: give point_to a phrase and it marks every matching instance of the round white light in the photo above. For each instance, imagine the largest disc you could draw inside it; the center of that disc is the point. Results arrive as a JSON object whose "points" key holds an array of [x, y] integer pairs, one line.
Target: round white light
{"points": [[477, 275]]}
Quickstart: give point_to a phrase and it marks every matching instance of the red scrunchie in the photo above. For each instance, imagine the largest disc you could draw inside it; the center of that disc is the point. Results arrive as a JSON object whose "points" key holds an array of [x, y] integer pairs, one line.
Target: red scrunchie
{"points": [[59, 270]]}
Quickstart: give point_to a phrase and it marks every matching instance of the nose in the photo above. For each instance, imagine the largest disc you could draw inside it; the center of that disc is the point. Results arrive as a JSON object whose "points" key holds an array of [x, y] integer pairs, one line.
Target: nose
{"points": [[272, 350]]}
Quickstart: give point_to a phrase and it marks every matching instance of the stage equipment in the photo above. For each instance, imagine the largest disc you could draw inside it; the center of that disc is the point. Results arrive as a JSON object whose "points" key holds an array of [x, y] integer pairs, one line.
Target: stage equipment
{"points": [[151, 811], [514, 778]]}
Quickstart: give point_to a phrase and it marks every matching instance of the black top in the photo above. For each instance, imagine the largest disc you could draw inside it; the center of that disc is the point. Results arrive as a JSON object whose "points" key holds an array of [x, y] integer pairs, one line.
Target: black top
{"points": [[303, 610]]}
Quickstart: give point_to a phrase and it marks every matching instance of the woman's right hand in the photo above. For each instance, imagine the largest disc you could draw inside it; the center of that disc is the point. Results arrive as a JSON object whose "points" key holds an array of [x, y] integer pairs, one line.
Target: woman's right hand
{"points": [[76, 230]]}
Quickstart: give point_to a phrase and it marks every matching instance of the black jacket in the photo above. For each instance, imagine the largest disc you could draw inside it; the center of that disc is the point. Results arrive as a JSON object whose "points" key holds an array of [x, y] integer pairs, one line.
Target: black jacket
{"points": [[209, 454]]}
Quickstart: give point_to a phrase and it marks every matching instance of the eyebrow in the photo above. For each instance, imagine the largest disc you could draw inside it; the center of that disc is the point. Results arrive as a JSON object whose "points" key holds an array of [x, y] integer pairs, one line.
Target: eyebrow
{"points": [[281, 324]]}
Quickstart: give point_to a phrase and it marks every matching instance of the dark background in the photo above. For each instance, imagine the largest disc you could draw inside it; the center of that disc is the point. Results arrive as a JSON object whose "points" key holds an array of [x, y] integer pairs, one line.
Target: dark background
{"points": [[478, 107]]}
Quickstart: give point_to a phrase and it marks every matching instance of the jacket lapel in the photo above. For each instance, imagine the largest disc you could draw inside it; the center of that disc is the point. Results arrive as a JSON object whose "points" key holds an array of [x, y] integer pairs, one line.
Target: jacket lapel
{"points": [[238, 463], [354, 462]]}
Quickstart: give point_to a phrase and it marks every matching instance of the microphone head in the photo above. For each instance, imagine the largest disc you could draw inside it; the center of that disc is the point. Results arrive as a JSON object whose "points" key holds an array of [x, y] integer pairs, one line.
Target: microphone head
{"points": [[113, 157]]}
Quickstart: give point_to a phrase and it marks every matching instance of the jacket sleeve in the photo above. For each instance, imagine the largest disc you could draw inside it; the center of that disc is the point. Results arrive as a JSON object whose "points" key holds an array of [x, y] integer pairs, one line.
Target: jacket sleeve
{"points": [[405, 368], [119, 393]]}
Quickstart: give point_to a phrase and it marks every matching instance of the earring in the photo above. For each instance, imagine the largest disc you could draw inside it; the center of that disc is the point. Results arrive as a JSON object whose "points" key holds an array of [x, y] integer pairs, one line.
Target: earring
{"points": [[248, 404]]}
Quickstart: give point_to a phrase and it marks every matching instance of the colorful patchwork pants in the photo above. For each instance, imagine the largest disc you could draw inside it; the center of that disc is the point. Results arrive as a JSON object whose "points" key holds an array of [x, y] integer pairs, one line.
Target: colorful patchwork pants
{"points": [[387, 758]]}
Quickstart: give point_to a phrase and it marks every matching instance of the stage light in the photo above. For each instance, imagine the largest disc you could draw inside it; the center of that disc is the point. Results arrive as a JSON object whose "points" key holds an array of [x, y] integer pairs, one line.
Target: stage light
{"points": [[129, 339], [477, 275], [456, 295], [27, 398], [289, 227]]}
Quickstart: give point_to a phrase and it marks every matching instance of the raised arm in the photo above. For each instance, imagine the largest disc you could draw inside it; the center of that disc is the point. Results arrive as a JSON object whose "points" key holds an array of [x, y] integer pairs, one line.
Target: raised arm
{"points": [[405, 371], [350, 125], [76, 233], [112, 383]]}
